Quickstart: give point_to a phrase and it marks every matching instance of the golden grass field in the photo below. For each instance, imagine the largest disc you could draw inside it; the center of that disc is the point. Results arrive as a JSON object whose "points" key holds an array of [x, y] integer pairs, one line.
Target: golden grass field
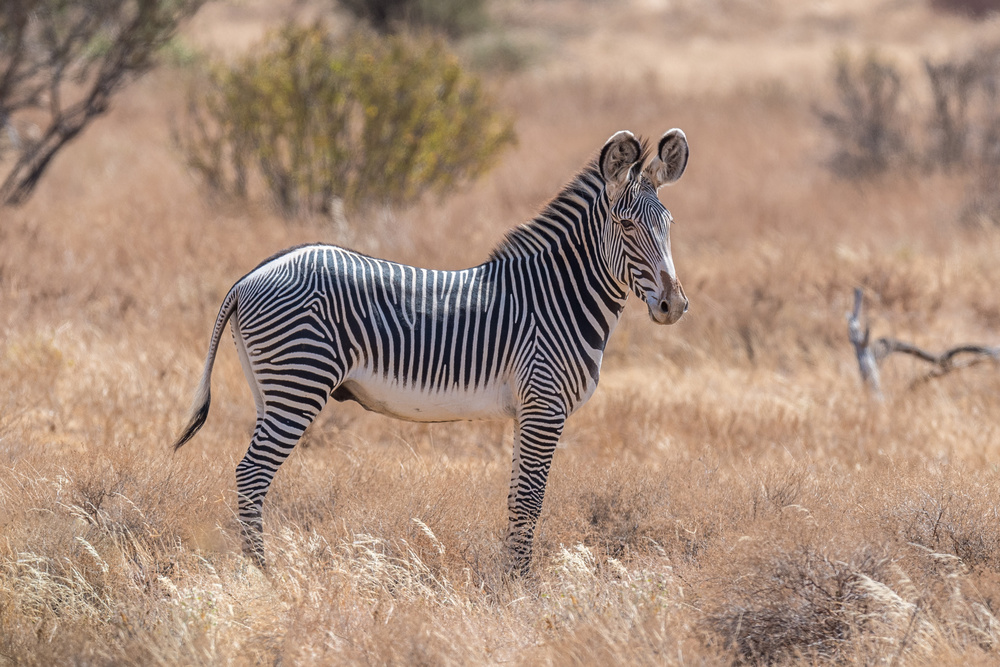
{"points": [[730, 493]]}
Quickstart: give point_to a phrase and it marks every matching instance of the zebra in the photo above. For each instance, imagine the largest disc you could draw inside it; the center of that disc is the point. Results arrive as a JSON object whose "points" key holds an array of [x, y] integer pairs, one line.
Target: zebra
{"points": [[520, 336]]}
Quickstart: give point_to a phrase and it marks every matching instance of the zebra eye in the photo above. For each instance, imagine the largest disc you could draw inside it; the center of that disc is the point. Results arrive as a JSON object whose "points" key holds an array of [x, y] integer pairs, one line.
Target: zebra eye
{"points": [[627, 224]]}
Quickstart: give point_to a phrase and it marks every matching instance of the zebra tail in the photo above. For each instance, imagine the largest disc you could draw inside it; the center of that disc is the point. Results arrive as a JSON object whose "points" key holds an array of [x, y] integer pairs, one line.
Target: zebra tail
{"points": [[203, 395]]}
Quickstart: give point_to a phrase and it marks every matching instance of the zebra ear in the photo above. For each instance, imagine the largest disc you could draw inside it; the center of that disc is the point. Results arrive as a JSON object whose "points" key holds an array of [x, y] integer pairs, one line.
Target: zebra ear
{"points": [[671, 159], [618, 156]]}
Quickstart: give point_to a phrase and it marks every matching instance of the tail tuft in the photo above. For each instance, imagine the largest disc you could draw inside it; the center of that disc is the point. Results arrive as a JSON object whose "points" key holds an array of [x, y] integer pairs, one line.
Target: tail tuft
{"points": [[198, 416]]}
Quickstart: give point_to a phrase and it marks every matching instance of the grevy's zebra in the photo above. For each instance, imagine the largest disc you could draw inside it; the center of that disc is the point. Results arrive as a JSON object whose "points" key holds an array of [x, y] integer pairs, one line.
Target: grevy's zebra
{"points": [[520, 336]]}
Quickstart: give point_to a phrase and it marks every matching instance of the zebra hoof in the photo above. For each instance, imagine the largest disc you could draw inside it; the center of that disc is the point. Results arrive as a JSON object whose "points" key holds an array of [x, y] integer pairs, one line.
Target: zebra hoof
{"points": [[517, 567], [256, 557]]}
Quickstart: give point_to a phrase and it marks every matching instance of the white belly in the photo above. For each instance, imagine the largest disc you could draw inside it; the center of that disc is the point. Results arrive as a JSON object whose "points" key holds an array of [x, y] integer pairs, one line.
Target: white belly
{"points": [[389, 397]]}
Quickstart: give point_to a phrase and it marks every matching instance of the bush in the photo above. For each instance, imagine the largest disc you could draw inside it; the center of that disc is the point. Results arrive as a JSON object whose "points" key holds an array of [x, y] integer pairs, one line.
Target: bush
{"points": [[975, 9], [372, 120], [964, 124], [867, 126], [959, 127], [803, 606], [452, 17]]}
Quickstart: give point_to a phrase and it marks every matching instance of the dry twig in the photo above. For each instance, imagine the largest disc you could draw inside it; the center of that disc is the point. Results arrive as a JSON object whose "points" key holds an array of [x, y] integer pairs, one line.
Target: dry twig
{"points": [[871, 354]]}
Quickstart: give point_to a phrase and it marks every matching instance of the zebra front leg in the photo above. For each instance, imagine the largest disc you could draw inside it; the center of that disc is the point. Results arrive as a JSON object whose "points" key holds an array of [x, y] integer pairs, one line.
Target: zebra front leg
{"points": [[537, 432]]}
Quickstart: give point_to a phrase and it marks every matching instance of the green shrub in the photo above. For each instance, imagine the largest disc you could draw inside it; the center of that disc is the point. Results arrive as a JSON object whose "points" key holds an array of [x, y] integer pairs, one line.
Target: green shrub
{"points": [[370, 120]]}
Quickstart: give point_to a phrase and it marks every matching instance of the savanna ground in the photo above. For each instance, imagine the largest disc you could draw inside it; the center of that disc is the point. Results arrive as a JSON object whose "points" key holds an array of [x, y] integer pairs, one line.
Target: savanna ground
{"points": [[730, 492]]}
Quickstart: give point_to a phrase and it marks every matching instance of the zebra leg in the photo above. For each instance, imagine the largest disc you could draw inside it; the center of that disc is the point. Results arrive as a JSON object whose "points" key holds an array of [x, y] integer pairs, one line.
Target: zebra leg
{"points": [[252, 483], [274, 437], [288, 399], [537, 433]]}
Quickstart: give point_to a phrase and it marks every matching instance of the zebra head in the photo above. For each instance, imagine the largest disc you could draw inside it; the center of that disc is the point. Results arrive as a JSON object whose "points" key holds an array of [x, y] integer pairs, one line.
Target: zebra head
{"points": [[640, 224]]}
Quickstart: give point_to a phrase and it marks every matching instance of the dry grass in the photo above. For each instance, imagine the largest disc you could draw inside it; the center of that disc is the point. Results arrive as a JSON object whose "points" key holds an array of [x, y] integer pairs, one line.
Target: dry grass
{"points": [[729, 495]]}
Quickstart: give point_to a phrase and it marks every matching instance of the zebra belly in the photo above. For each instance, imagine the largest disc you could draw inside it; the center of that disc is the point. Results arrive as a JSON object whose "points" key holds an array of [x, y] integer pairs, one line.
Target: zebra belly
{"points": [[390, 397]]}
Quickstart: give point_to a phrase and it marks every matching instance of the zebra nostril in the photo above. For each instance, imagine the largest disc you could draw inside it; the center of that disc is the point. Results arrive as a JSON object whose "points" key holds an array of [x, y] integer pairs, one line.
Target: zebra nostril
{"points": [[664, 306]]}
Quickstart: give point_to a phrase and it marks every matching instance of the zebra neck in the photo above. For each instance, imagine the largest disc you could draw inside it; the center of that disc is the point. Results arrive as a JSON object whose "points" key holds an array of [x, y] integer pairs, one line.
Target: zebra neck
{"points": [[571, 218], [565, 239]]}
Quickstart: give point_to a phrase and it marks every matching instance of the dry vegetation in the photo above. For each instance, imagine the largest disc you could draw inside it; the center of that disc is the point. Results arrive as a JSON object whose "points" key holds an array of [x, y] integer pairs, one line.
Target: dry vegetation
{"points": [[729, 493]]}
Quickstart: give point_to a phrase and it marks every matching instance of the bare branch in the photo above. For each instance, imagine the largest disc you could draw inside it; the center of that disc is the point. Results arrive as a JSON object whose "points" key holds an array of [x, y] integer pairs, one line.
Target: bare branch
{"points": [[870, 355], [98, 46], [859, 336]]}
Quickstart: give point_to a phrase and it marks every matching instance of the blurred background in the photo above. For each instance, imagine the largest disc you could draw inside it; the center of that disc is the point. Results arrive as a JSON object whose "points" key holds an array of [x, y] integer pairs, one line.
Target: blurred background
{"points": [[732, 492]]}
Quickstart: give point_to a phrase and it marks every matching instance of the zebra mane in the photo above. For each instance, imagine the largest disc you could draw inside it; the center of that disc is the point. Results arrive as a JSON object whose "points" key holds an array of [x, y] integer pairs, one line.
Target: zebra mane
{"points": [[527, 238]]}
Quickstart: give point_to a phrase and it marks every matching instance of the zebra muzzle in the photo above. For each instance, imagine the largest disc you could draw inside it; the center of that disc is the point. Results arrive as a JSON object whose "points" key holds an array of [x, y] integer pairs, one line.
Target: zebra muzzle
{"points": [[670, 308]]}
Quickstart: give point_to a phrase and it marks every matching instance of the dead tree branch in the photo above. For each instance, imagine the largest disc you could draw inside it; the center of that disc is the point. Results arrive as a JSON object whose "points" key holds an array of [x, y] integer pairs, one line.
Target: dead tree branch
{"points": [[871, 354], [61, 63], [859, 336]]}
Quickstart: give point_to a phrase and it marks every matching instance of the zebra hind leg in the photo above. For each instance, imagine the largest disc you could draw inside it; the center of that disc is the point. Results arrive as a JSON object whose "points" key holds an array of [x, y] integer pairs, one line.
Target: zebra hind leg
{"points": [[285, 408], [273, 440]]}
